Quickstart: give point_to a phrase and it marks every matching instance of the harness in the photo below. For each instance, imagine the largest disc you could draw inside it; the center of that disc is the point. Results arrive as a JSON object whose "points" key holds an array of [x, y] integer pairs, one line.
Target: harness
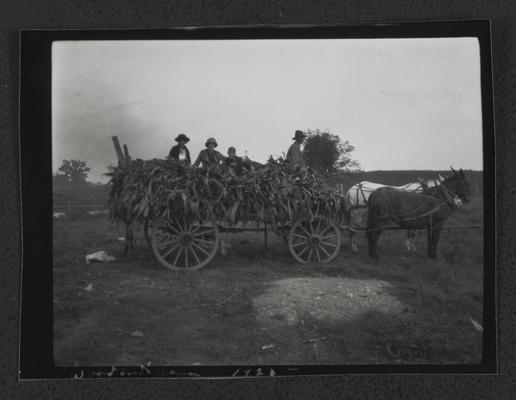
{"points": [[398, 217], [360, 185]]}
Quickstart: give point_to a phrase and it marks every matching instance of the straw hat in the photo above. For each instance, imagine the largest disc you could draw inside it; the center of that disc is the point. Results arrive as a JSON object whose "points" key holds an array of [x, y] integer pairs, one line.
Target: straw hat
{"points": [[182, 137], [299, 135], [211, 140]]}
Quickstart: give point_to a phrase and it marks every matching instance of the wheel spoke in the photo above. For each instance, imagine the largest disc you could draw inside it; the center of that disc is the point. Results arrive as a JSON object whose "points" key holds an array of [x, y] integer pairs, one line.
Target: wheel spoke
{"points": [[200, 248], [195, 255], [170, 250], [299, 244], [177, 256], [303, 228], [328, 244], [310, 254], [318, 255], [302, 251], [325, 230], [167, 243], [173, 228], [318, 224], [323, 249], [186, 257], [195, 228], [204, 232], [328, 236], [299, 236]]}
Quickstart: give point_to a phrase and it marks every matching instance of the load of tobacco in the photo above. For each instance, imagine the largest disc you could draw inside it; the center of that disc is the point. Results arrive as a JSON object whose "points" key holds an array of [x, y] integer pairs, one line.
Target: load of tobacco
{"points": [[275, 193]]}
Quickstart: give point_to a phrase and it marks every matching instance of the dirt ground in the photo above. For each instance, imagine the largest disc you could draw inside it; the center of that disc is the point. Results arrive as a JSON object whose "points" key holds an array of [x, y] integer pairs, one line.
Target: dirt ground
{"points": [[257, 305]]}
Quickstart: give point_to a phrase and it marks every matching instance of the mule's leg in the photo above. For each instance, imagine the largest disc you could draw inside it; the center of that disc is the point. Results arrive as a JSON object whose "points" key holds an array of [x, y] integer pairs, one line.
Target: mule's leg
{"points": [[429, 231], [354, 247], [373, 238], [373, 234], [434, 239], [414, 233], [410, 240]]}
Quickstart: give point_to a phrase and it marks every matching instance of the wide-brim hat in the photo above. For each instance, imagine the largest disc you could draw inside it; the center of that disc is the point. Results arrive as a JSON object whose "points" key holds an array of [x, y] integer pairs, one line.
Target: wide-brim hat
{"points": [[211, 140], [299, 134], [182, 137]]}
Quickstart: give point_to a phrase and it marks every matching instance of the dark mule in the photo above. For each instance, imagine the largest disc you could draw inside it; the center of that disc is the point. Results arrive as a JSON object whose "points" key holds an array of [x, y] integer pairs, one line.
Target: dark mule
{"points": [[429, 209]]}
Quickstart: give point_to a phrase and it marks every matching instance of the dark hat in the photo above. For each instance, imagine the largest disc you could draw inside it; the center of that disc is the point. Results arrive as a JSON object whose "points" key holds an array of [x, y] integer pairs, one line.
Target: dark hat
{"points": [[211, 140], [231, 149], [299, 134], [183, 137]]}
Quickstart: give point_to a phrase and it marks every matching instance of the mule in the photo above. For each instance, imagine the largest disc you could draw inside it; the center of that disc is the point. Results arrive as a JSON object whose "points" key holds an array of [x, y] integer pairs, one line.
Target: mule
{"points": [[409, 210], [358, 195]]}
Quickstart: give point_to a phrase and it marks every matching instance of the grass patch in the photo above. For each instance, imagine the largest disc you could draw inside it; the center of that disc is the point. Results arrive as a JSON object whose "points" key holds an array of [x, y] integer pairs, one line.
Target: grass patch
{"points": [[187, 318]]}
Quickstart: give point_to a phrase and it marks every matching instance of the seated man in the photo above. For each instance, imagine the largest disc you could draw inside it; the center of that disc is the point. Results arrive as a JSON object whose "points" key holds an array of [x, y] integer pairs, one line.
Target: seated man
{"points": [[180, 151], [209, 157], [236, 165]]}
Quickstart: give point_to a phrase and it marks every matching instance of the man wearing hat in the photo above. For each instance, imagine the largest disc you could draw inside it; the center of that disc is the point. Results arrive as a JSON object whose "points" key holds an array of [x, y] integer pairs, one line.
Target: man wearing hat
{"points": [[209, 157], [294, 155], [236, 165], [180, 151]]}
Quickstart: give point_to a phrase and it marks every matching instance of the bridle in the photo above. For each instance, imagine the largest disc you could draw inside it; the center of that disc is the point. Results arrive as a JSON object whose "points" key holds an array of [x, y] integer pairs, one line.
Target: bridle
{"points": [[449, 196]]}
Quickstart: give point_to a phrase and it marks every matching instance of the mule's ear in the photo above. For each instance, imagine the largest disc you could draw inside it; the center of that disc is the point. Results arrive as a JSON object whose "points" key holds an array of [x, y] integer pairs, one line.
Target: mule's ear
{"points": [[452, 169]]}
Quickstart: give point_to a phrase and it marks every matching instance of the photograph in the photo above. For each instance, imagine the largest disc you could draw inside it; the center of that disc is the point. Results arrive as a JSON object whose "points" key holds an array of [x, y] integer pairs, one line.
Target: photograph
{"points": [[268, 202]]}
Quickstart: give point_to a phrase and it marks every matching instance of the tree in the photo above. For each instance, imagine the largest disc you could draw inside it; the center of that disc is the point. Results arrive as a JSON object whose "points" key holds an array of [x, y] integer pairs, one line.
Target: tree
{"points": [[73, 172], [60, 180], [327, 154]]}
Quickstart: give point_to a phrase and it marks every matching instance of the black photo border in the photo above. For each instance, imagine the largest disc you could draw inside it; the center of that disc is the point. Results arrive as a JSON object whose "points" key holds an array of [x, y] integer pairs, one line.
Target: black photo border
{"points": [[36, 322]]}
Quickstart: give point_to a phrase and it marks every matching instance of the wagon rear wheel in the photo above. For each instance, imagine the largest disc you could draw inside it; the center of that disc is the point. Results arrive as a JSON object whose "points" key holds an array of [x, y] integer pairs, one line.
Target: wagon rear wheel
{"points": [[314, 240], [184, 246]]}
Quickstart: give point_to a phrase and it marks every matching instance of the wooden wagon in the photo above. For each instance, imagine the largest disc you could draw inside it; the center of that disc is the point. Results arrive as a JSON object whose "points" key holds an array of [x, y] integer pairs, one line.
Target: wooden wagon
{"points": [[189, 241], [181, 244]]}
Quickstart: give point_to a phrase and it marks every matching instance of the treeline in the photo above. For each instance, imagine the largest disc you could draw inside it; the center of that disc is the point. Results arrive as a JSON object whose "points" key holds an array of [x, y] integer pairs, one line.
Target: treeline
{"points": [[91, 194]]}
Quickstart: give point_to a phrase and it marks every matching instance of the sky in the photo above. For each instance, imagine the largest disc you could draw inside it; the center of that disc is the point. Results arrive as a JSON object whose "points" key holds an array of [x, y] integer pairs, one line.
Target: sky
{"points": [[403, 103]]}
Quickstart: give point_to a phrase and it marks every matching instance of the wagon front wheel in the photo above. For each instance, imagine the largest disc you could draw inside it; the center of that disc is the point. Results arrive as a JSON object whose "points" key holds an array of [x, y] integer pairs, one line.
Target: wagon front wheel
{"points": [[316, 240], [184, 246]]}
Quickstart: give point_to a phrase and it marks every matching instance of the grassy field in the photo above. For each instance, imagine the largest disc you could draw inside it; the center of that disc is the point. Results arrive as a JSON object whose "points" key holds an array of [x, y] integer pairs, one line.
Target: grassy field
{"points": [[256, 305]]}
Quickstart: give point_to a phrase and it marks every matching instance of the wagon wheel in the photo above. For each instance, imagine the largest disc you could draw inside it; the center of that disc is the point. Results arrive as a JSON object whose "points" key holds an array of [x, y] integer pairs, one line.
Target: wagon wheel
{"points": [[317, 239], [182, 245]]}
